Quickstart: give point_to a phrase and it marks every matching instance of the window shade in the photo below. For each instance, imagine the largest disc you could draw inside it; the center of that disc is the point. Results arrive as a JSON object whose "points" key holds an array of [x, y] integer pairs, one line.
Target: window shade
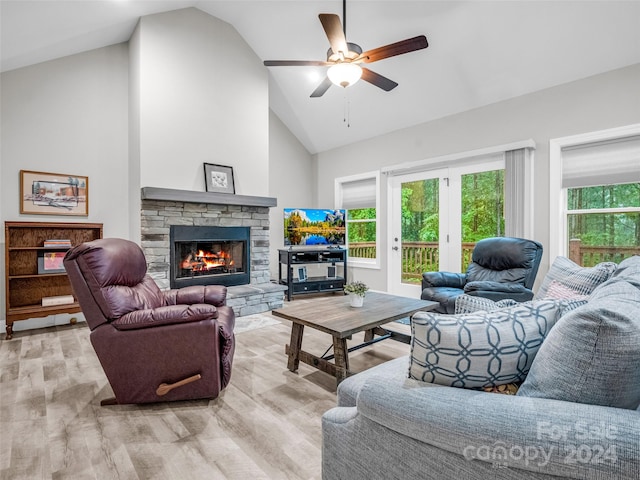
{"points": [[516, 213], [359, 194], [601, 163]]}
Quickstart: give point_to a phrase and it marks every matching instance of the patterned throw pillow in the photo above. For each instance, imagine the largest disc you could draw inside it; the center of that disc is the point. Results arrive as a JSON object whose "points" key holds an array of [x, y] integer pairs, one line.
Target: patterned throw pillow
{"points": [[581, 280], [480, 349], [470, 303], [592, 355]]}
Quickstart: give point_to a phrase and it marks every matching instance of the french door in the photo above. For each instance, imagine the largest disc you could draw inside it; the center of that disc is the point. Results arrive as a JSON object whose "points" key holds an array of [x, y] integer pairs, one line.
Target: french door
{"points": [[438, 215]]}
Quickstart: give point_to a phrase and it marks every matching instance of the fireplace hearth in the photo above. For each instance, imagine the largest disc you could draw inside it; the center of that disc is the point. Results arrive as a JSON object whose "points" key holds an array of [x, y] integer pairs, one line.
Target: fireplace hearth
{"points": [[209, 255]]}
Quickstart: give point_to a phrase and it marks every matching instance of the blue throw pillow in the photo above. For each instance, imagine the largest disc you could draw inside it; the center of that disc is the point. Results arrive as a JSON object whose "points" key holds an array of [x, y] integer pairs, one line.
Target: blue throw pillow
{"points": [[592, 355]]}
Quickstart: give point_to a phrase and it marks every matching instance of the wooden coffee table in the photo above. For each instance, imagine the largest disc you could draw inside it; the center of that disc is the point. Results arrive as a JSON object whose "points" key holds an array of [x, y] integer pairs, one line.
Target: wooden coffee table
{"points": [[334, 316]]}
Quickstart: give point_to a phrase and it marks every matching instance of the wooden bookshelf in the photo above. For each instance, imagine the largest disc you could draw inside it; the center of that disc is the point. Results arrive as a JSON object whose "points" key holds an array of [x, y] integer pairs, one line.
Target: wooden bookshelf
{"points": [[24, 286]]}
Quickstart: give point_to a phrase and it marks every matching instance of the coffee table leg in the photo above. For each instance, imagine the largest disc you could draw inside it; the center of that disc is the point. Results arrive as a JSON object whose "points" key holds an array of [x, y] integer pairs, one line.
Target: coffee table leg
{"points": [[341, 358], [296, 344], [368, 335]]}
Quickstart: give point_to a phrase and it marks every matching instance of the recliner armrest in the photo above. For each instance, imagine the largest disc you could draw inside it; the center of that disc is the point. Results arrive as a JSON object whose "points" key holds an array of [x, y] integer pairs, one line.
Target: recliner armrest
{"points": [[167, 315], [226, 323], [208, 294], [443, 279]]}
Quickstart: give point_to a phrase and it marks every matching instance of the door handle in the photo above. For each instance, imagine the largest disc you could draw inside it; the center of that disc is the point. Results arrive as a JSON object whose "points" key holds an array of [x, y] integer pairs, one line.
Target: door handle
{"points": [[395, 248]]}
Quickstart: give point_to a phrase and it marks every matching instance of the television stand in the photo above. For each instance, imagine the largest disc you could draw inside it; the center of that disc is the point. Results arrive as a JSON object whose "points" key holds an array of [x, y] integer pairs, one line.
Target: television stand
{"points": [[299, 283]]}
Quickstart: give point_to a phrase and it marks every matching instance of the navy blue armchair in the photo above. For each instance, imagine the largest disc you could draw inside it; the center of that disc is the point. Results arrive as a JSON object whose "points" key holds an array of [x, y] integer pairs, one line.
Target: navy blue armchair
{"points": [[501, 267]]}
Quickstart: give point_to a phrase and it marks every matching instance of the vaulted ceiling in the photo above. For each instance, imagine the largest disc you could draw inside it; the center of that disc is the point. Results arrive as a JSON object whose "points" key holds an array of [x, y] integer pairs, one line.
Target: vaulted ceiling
{"points": [[480, 52]]}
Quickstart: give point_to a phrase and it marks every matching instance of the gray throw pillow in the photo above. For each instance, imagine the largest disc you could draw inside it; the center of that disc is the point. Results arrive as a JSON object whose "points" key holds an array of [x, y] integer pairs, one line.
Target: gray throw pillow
{"points": [[592, 355], [480, 349], [470, 303], [582, 280]]}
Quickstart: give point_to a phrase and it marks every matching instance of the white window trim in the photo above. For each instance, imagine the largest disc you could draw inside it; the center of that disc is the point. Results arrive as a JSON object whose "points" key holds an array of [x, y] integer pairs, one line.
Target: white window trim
{"points": [[558, 195], [354, 261]]}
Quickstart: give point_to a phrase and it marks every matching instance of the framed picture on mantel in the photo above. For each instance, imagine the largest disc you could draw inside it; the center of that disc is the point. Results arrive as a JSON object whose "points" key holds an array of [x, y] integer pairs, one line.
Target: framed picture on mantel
{"points": [[219, 178]]}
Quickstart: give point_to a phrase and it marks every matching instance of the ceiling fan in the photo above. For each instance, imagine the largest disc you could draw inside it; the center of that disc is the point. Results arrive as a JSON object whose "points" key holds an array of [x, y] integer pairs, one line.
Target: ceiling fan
{"points": [[345, 58]]}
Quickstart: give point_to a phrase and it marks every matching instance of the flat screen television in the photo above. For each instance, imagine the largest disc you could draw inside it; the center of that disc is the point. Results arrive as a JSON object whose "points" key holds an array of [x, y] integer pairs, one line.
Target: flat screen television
{"points": [[314, 226]]}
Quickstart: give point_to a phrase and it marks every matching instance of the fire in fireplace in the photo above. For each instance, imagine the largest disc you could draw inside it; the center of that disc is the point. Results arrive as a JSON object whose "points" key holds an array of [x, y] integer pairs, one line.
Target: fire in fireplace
{"points": [[209, 255]]}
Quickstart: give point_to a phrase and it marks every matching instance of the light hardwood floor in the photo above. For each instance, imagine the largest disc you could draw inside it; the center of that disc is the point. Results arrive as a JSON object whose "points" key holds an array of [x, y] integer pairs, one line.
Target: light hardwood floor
{"points": [[264, 425]]}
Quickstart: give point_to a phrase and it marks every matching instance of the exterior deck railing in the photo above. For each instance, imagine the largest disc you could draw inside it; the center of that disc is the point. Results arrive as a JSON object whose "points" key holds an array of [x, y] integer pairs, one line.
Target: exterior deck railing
{"points": [[419, 257], [588, 256], [362, 250]]}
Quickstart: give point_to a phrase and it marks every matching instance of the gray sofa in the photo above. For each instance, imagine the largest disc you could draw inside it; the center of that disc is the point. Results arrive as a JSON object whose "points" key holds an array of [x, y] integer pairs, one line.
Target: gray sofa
{"points": [[577, 414]]}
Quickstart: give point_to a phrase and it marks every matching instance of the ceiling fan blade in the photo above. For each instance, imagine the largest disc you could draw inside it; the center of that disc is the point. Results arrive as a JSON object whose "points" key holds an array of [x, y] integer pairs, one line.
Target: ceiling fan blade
{"points": [[296, 63], [333, 28], [323, 87], [378, 80], [393, 49]]}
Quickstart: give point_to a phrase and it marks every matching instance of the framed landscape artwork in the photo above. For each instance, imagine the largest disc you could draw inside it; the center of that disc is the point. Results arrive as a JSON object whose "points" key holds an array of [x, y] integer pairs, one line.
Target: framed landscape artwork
{"points": [[219, 178], [53, 193]]}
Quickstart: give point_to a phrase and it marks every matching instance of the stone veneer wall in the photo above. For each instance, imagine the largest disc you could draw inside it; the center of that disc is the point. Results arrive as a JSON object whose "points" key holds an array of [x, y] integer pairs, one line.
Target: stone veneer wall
{"points": [[157, 216]]}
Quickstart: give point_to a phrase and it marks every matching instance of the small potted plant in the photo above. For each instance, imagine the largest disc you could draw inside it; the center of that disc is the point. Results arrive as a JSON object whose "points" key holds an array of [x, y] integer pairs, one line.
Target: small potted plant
{"points": [[356, 291]]}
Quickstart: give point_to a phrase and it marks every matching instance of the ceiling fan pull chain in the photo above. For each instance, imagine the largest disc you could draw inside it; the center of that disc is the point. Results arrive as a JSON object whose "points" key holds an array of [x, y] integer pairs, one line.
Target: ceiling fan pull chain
{"points": [[347, 109]]}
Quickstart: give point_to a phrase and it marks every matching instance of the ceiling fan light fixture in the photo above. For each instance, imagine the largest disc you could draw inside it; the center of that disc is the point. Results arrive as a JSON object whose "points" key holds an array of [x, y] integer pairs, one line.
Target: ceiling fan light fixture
{"points": [[344, 74]]}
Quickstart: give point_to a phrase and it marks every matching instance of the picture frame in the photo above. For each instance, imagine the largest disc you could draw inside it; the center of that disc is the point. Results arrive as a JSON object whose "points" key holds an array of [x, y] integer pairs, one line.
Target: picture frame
{"points": [[219, 178], [302, 274], [50, 261], [43, 193]]}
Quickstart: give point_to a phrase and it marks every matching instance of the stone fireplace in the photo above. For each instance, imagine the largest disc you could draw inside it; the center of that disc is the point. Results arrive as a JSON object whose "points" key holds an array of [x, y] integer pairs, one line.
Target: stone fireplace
{"points": [[164, 211]]}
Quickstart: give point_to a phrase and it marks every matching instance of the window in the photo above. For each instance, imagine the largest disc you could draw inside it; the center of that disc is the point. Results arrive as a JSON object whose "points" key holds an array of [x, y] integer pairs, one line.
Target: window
{"points": [[603, 223], [595, 196], [361, 233], [358, 194]]}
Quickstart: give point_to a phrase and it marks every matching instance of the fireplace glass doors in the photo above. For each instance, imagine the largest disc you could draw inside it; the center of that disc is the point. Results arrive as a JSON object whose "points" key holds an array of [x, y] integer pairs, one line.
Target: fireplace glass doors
{"points": [[209, 256]]}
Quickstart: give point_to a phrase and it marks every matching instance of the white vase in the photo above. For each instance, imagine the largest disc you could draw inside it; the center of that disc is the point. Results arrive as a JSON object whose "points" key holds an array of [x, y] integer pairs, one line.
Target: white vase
{"points": [[356, 300]]}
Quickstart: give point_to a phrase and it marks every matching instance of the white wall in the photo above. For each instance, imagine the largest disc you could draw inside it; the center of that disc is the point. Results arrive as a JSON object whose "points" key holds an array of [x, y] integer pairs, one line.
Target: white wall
{"points": [[600, 102], [68, 116], [291, 181], [184, 91], [203, 99], [135, 202]]}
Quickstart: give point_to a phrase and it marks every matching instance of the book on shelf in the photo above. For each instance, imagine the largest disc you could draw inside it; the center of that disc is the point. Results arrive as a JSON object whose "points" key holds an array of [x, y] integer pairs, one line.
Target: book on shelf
{"points": [[57, 300], [55, 243]]}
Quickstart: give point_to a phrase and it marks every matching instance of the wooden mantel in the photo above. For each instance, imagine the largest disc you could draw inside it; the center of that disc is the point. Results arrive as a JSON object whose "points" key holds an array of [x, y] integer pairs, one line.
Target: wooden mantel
{"points": [[189, 196]]}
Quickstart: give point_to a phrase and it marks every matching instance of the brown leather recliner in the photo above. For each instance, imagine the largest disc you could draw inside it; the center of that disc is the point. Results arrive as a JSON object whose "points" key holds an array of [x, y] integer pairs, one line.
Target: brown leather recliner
{"points": [[153, 345]]}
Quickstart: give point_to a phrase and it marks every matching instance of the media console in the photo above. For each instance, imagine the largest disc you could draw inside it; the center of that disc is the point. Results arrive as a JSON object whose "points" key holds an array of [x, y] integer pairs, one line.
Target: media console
{"points": [[300, 283]]}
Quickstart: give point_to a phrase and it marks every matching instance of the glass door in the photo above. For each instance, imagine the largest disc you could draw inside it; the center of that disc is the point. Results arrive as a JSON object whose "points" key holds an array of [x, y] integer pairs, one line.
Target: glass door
{"points": [[438, 216], [416, 225]]}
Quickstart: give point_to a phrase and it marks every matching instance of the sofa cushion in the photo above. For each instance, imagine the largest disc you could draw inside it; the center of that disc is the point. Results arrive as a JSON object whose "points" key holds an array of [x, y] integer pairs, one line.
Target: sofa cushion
{"points": [[582, 280], [479, 349], [592, 355]]}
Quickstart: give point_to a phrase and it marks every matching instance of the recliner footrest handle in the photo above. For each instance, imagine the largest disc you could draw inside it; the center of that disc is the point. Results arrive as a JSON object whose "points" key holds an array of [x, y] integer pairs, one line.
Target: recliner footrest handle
{"points": [[165, 388]]}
